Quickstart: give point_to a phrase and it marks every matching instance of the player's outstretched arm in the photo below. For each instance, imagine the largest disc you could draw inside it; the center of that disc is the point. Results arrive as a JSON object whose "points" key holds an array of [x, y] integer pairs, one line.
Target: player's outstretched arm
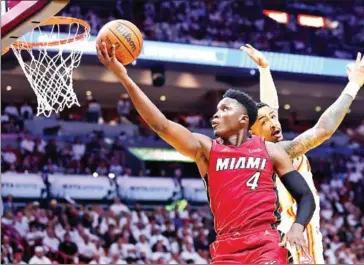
{"points": [[268, 92], [297, 186], [184, 141], [331, 118]]}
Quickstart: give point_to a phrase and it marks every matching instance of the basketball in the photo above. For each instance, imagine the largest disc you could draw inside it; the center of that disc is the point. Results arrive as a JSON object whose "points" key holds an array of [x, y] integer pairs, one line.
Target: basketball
{"points": [[125, 36]]}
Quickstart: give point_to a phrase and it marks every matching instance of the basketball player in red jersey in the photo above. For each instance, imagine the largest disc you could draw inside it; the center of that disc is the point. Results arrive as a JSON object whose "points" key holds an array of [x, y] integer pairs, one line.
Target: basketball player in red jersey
{"points": [[238, 172]]}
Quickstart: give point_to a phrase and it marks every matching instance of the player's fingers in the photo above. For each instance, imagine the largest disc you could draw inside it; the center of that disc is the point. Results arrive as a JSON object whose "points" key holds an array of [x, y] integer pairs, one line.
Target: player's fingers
{"points": [[304, 248], [243, 48], [113, 51], [283, 242], [358, 57], [101, 53], [98, 52], [349, 67], [105, 52], [251, 47]]}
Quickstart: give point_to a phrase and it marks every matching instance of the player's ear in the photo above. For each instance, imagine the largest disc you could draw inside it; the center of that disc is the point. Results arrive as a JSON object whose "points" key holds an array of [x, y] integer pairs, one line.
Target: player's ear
{"points": [[244, 119]]}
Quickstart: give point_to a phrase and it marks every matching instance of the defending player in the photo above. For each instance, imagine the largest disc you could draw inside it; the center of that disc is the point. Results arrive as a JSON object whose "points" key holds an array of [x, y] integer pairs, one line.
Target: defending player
{"points": [[238, 172], [269, 127]]}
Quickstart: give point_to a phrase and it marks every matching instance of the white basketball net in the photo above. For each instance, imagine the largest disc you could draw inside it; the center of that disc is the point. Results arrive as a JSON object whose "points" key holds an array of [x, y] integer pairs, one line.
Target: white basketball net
{"points": [[50, 72]]}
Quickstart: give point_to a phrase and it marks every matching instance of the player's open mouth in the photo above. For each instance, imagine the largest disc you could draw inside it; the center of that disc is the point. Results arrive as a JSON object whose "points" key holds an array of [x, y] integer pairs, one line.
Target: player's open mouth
{"points": [[214, 124], [276, 133]]}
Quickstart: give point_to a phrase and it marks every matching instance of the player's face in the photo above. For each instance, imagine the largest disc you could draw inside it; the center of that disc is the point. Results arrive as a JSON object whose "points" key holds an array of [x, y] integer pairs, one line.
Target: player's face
{"points": [[267, 125], [230, 118]]}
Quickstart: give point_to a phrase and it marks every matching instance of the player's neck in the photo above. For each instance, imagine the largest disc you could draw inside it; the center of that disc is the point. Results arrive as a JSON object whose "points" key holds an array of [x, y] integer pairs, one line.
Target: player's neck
{"points": [[237, 139]]}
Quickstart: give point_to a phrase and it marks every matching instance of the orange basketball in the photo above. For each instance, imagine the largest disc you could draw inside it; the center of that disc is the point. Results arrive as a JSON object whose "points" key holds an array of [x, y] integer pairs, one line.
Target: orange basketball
{"points": [[125, 36]]}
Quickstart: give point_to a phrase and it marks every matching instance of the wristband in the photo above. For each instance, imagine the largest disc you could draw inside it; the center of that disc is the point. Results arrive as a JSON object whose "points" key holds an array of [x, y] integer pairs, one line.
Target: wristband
{"points": [[351, 89]]}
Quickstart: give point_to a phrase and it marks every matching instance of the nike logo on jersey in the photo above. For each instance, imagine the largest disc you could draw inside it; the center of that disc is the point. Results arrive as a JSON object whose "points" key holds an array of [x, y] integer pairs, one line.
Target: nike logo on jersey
{"points": [[240, 163]]}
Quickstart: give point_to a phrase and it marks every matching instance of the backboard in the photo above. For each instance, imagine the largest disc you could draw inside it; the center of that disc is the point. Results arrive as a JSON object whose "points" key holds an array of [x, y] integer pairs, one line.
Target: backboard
{"points": [[20, 17]]}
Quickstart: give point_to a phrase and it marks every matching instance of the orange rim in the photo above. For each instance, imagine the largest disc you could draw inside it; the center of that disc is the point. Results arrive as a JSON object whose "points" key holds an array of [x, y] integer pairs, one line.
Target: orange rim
{"points": [[56, 21], [5, 50]]}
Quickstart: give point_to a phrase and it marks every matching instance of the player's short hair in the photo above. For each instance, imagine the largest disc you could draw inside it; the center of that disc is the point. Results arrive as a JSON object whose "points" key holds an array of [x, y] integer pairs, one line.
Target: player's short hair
{"points": [[244, 99], [261, 105]]}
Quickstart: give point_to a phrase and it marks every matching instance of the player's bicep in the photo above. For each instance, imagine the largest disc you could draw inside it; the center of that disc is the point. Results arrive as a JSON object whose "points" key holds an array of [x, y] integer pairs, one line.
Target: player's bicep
{"points": [[282, 163], [183, 140]]}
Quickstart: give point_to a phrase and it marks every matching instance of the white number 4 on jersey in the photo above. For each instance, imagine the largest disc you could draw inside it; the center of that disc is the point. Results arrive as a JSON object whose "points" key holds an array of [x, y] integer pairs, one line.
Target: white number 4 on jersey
{"points": [[253, 181]]}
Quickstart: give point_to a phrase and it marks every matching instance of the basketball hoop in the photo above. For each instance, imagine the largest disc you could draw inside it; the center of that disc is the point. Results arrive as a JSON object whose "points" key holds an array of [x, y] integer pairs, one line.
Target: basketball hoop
{"points": [[50, 74]]}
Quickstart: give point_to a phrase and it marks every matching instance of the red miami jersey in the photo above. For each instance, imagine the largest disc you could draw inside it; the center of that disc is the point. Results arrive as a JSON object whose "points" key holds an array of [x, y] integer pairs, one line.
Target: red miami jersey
{"points": [[241, 187]]}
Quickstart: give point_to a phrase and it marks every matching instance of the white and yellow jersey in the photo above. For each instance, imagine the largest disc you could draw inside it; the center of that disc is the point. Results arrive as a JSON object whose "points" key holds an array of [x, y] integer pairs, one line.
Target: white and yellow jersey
{"points": [[288, 215]]}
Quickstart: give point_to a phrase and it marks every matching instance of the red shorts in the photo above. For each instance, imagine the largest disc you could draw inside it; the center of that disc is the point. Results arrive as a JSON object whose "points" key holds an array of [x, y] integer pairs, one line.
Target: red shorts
{"points": [[256, 247]]}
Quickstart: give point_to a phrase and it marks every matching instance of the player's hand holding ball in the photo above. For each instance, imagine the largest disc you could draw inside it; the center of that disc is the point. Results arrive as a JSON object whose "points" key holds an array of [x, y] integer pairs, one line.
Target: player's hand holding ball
{"points": [[118, 43], [295, 238], [109, 59]]}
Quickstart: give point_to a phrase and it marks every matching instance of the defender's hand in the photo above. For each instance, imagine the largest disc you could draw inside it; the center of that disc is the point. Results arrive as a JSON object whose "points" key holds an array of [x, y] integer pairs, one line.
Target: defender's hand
{"points": [[356, 70], [295, 238], [109, 60], [255, 55]]}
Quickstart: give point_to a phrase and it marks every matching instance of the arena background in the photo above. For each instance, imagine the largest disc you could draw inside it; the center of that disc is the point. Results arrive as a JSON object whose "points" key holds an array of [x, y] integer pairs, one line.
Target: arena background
{"points": [[95, 184]]}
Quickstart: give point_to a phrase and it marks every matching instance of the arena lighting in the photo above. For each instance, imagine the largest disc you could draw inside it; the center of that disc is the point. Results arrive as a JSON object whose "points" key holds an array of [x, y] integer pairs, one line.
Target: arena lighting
{"points": [[287, 106], [111, 175], [317, 108], [8, 88], [95, 174], [311, 21], [88, 93], [280, 17], [163, 98]]}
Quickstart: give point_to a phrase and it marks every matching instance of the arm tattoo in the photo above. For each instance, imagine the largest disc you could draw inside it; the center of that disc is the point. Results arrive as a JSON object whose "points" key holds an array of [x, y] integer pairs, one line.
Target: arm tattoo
{"points": [[323, 129]]}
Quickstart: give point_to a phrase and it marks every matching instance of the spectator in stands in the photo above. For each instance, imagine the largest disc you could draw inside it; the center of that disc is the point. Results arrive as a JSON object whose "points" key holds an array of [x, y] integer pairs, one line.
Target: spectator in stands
{"points": [[115, 167], [27, 145], [118, 207], [18, 257], [9, 205], [99, 259], [102, 168], [94, 112], [68, 248], [12, 111], [51, 151], [123, 108], [39, 257], [78, 149], [26, 111], [50, 241], [9, 156]]}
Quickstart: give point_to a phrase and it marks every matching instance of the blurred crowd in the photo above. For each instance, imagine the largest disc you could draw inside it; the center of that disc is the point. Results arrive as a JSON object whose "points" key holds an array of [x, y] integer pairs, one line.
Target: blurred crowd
{"points": [[33, 155], [91, 234], [231, 23]]}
